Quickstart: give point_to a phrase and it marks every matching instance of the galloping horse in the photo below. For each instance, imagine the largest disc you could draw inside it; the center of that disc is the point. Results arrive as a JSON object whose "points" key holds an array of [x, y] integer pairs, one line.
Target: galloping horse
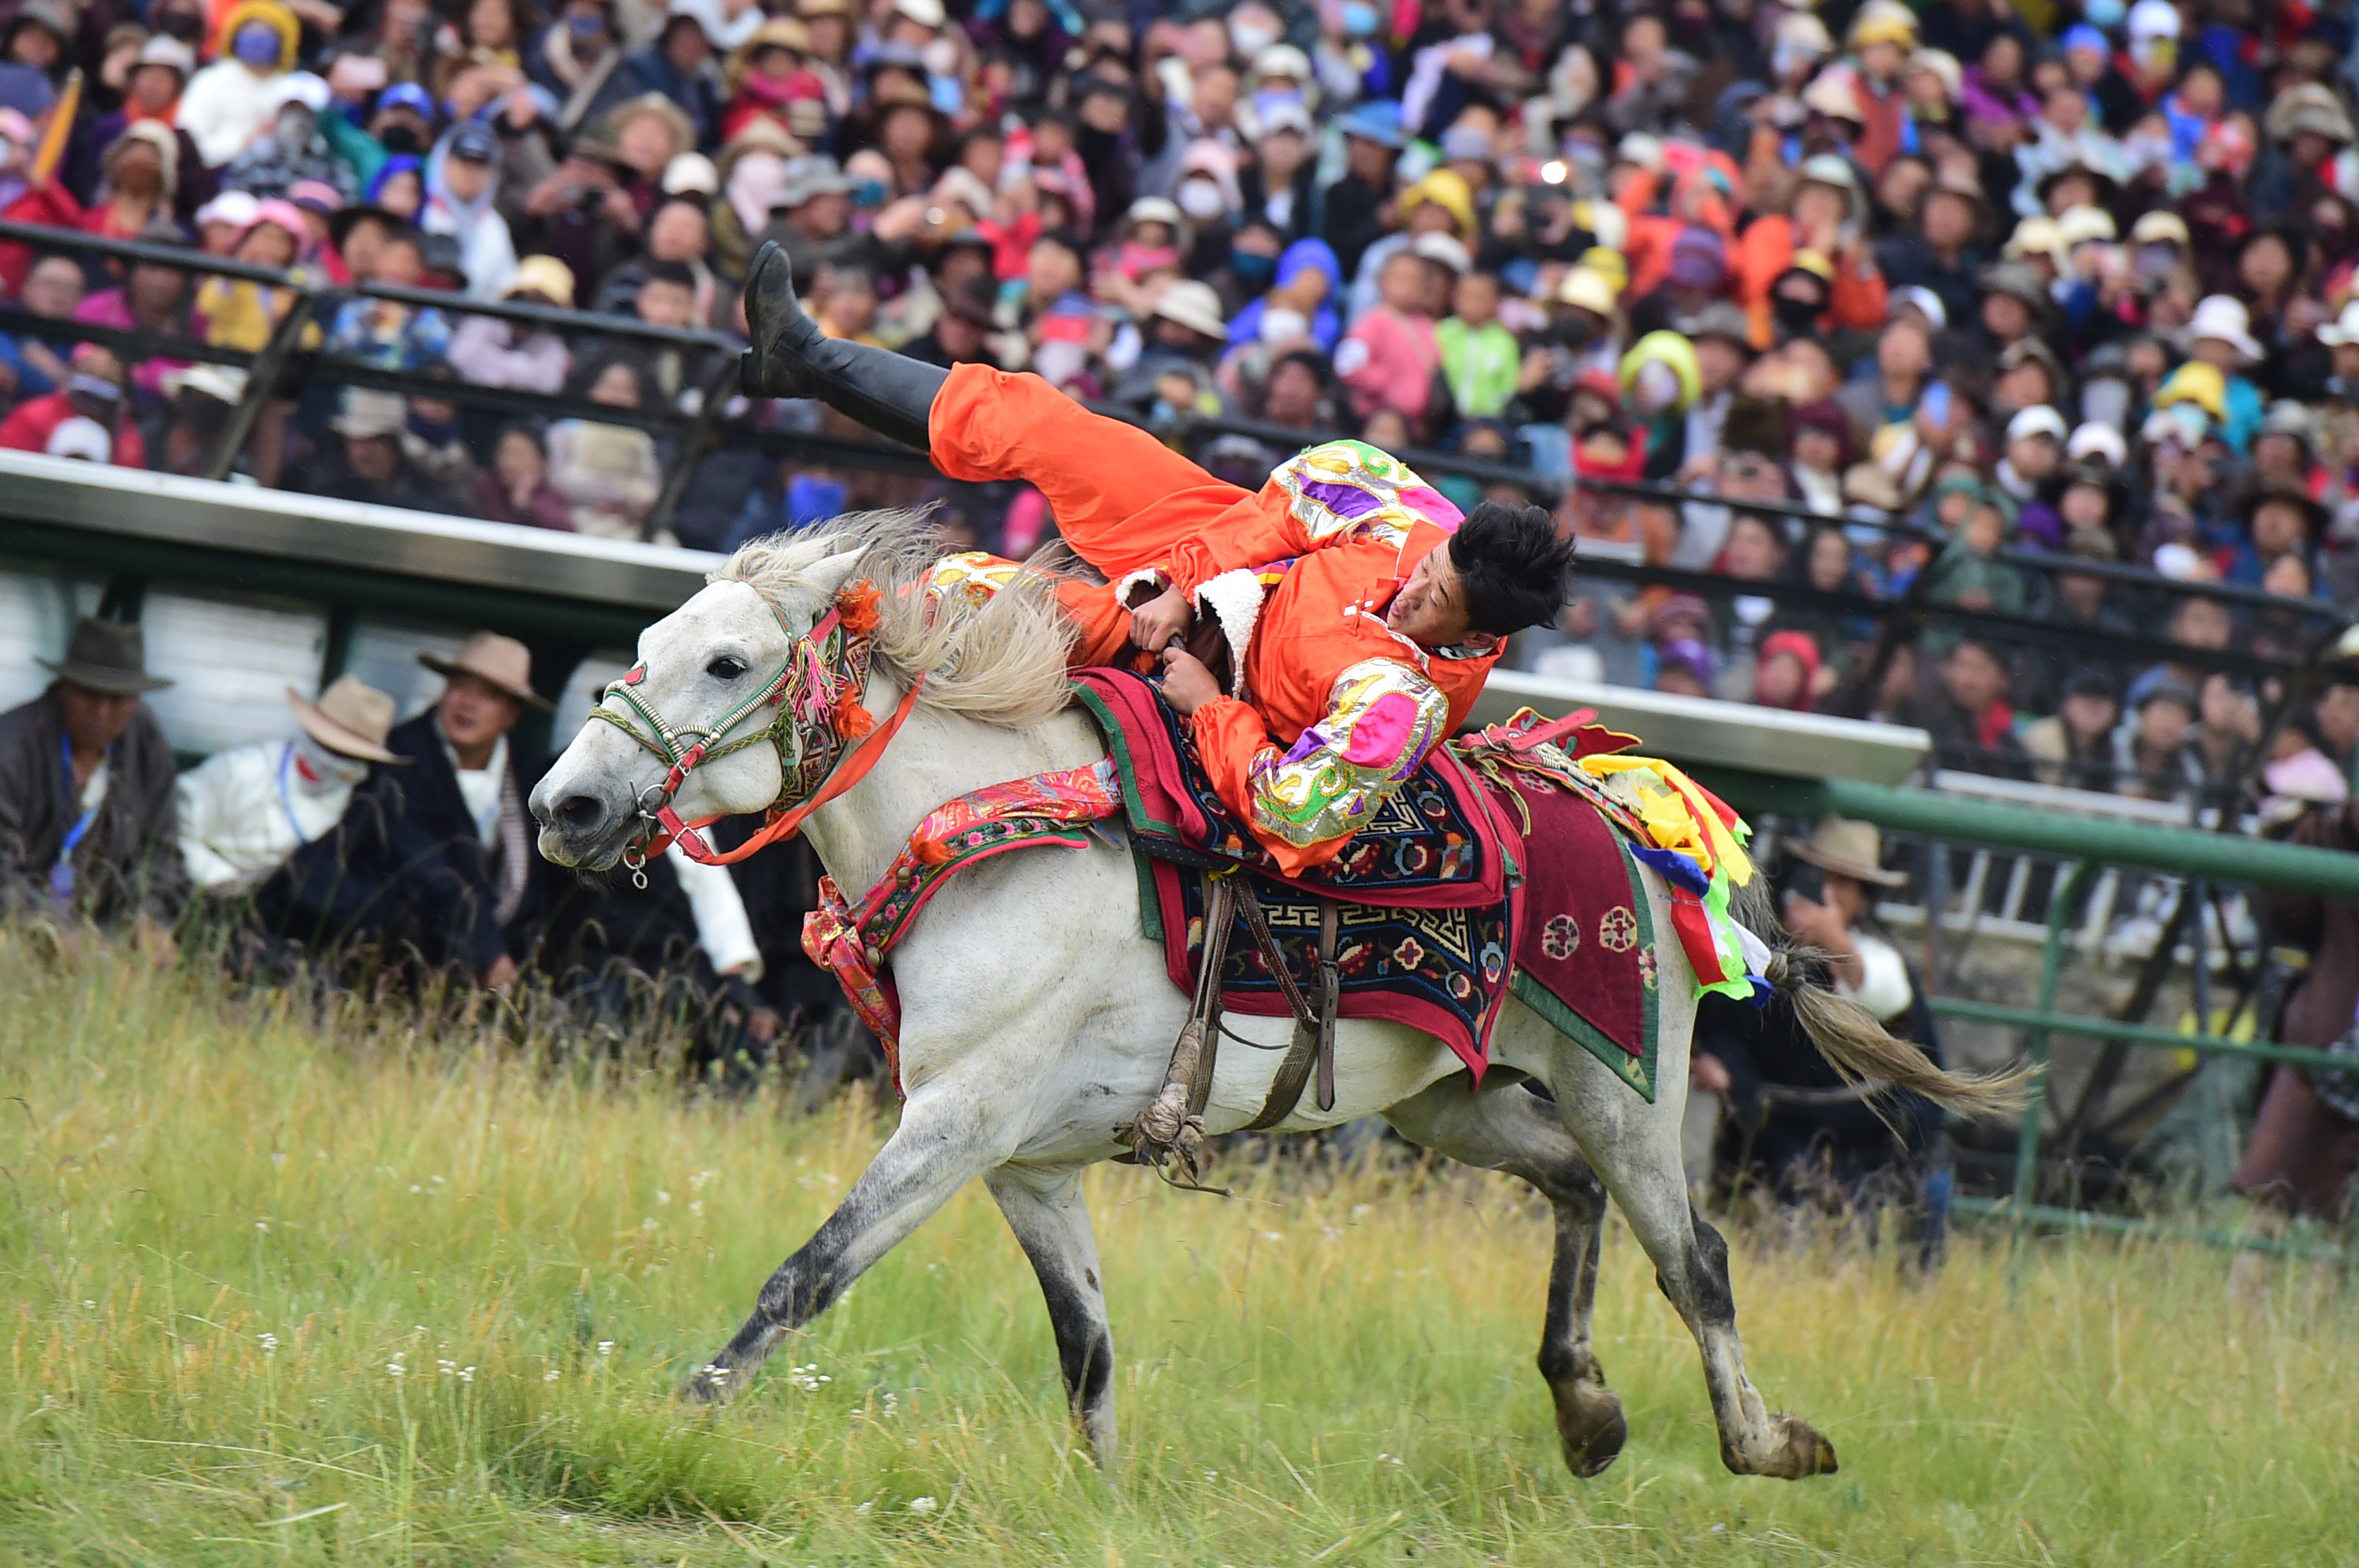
{"points": [[1037, 1015]]}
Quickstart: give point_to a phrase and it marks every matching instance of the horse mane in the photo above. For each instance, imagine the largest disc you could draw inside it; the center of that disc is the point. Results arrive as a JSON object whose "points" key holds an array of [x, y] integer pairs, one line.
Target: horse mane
{"points": [[1000, 661]]}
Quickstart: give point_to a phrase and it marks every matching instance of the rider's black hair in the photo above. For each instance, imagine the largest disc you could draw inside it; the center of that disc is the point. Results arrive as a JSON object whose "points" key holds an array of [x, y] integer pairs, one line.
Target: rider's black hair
{"points": [[1514, 569]]}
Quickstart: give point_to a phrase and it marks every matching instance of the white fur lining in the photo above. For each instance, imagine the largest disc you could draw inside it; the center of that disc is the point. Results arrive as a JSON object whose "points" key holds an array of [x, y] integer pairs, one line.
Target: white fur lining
{"points": [[1235, 598], [1146, 576]]}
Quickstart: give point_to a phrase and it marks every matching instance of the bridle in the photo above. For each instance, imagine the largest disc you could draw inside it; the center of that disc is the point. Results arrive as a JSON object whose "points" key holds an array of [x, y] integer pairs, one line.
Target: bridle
{"points": [[815, 692]]}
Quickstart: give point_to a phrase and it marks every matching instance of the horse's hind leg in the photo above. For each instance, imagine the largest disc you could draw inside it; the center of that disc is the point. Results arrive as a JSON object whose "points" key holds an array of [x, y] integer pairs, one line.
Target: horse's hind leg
{"points": [[1635, 1146], [944, 1138], [1051, 1222], [1504, 1126]]}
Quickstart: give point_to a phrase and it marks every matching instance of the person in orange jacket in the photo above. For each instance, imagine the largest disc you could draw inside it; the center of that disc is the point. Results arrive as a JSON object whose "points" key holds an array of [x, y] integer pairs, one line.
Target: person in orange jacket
{"points": [[1826, 220], [1388, 611]]}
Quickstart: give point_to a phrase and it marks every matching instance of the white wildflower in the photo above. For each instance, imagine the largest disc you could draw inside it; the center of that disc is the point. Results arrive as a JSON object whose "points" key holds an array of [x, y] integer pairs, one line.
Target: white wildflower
{"points": [[863, 1510], [662, 1197], [606, 1347], [396, 1369], [445, 1367], [549, 1375], [269, 1343], [89, 1304], [808, 1378], [262, 1225], [466, 1374], [921, 1505]]}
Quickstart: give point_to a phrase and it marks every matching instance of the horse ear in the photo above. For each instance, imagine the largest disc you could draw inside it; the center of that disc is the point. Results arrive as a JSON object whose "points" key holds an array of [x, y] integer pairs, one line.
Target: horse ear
{"points": [[827, 578]]}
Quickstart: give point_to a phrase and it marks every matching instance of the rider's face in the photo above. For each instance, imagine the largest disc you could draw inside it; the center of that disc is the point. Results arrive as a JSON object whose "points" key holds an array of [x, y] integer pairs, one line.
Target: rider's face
{"points": [[1430, 608]]}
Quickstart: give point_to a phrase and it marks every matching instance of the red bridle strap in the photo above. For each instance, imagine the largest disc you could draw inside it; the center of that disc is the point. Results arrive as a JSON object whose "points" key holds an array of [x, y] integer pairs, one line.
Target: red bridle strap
{"points": [[851, 771]]}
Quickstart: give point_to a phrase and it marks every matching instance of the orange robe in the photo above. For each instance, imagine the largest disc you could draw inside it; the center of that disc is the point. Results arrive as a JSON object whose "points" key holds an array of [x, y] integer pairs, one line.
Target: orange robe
{"points": [[1337, 710]]}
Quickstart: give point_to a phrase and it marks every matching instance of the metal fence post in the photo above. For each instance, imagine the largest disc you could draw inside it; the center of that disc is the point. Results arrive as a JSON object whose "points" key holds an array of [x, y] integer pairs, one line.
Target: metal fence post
{"points": [[261, 380], [2051, 964]]}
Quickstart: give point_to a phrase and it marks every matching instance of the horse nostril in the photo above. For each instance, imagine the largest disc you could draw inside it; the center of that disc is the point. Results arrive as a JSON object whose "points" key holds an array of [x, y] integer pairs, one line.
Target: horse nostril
{"points": [[581, 812]]}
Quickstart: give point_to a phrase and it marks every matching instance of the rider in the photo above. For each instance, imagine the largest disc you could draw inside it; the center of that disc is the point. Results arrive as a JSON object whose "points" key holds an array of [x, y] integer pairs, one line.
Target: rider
{"points": [[1367, 651]]}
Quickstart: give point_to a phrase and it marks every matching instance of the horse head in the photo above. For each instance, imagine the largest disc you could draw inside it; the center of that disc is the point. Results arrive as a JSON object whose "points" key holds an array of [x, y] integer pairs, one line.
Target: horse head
{"points": [[713, 688]]}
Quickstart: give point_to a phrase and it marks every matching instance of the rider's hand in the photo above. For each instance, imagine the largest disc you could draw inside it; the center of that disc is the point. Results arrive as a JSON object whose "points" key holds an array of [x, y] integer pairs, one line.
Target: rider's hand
{"points": [[1156, 623], [1708, 1072], [1187, 684]]}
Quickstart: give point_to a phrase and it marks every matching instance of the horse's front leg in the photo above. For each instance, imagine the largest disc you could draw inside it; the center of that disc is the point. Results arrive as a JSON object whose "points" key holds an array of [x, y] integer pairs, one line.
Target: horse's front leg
{"points": [[948, 1133], [1051, 1222]]}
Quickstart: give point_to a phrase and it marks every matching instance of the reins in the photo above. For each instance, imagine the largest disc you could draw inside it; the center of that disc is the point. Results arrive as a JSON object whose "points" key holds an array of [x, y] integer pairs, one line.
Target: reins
{"points": [[816, 691]]}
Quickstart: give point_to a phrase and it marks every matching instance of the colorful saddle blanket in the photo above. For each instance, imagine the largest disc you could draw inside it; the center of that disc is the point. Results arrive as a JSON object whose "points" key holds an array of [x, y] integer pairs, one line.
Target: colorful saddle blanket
{"points": [[1438, 844]]}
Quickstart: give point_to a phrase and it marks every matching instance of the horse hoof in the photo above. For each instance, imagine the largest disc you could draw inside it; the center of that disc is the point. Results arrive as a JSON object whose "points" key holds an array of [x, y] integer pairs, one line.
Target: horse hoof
{"points": [[1801, 1453], [709, 1386], [1589, 1423]]}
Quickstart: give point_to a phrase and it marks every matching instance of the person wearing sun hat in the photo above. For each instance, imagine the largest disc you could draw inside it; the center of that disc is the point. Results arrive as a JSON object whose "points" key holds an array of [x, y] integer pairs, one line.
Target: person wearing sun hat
{"points": [[2220, 335], [87, 821], [245, 809], [433, 855], [1826, 898]]}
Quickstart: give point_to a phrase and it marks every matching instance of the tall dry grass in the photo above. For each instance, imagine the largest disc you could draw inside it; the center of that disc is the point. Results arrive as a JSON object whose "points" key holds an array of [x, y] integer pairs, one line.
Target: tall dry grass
{"points": [[291, 1288]]}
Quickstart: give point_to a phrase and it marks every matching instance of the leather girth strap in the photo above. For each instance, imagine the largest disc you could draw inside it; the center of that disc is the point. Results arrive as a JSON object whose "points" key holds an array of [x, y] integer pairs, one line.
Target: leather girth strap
{"points": [[1169, 1134], [1314, 1031]]}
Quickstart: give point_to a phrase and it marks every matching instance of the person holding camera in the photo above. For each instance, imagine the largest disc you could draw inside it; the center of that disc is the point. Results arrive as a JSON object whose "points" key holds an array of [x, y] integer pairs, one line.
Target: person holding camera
{"points": [[1795, 1120]]}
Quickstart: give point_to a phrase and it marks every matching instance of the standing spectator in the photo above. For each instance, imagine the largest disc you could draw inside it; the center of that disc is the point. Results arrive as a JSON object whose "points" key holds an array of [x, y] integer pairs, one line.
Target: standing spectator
{"points": [[1388, 358], [87, 822], [245, 809]]}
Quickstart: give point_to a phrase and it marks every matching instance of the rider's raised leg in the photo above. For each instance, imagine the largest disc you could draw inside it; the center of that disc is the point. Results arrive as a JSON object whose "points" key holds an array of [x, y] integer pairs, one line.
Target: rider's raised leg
{"points": [[890, 393], [1051, 1222], [947, 1135], [1505, 1127], [1121, 497]]}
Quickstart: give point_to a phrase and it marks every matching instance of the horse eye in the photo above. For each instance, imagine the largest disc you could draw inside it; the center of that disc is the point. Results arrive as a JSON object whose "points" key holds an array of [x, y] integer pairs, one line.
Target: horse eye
{"points": [[724, 669]]}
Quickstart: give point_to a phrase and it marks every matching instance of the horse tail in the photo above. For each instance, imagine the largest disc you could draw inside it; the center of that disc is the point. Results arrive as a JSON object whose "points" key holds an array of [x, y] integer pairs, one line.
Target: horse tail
{"points": [[1861, 1050]]}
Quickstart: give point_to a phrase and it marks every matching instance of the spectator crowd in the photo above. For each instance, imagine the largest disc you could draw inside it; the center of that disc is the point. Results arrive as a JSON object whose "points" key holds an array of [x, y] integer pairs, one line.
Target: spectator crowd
{"points": [[1962, 296]]}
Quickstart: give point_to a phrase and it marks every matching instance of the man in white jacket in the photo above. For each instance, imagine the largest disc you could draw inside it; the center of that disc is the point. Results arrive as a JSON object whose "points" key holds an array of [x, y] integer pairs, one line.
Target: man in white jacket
{"points": [[245, 809]]}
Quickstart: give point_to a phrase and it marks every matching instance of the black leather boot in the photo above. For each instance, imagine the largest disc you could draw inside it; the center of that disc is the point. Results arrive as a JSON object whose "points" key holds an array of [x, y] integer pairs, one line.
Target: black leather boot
{"points": [[889, 392]]}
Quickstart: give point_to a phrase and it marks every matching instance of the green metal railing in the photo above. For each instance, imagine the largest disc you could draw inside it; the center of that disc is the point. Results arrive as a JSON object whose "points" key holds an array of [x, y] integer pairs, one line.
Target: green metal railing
{"points": [[2087, 844]]}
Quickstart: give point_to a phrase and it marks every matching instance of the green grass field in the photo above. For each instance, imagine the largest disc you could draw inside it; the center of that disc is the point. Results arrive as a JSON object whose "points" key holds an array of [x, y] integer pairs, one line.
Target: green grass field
{"points": [[286, 1291]]}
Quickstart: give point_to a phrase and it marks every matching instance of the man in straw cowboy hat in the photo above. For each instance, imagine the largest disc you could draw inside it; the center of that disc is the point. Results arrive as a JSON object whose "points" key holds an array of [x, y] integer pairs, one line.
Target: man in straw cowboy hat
{"points": [[1795, 1116], [87, 823], [245, 809], [434, 852]]}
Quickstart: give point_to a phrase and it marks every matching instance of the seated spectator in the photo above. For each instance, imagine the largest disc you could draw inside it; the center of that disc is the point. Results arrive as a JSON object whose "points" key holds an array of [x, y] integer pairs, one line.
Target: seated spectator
{"points": [[231, 99], [961, 331], [516, 489], [432, 859], [1824, 1143], [2150, 754], [290, 148], [238, 312], [369, 461], [1185, 334], [1785, 674], [2074, 747], [608, 474], [461, 185], [389, 334], [31, 365], [200, 400], [245, 809], [674, 68], [141, 173], [153, 299], [1966, 712], [84, 418], [490, 352], [1388, 357], [87, 823]]}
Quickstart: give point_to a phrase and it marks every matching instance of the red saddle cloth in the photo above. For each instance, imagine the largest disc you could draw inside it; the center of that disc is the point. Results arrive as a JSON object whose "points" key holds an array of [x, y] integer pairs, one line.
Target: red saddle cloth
{"points": [[1463, 884]]}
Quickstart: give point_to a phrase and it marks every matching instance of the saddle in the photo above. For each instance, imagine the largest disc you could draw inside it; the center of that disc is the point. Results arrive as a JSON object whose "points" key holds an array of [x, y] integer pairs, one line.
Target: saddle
{"points": [[1435, 864]]}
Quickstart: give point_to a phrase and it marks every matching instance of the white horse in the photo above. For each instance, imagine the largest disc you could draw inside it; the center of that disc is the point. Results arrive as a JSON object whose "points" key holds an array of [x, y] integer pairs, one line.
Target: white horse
{"points": [[1038, 1016]]}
